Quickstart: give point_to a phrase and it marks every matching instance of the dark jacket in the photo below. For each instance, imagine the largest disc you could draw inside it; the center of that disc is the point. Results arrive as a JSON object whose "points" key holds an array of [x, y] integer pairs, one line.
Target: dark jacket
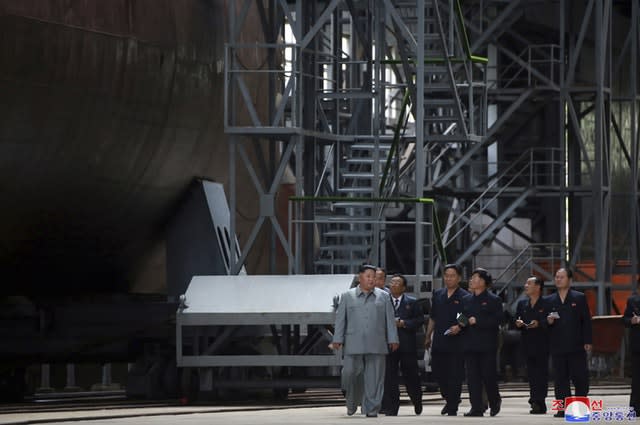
{"points": [[534, 340], [572, 330], [487, 309], [410, 311], [443, 312], [633, 307]]}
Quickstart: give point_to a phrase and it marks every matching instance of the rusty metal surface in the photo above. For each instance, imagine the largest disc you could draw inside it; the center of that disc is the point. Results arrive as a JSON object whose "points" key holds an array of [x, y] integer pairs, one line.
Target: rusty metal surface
{"points": [[108, 109]]}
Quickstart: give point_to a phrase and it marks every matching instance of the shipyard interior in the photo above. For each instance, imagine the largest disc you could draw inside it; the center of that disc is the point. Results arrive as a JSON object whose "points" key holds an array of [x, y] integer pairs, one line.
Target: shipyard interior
{"points": [[188, 187]]}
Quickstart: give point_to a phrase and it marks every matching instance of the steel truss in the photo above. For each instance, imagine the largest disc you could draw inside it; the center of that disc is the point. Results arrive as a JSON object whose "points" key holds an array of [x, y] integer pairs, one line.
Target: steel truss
{"points": [[391, 98]]}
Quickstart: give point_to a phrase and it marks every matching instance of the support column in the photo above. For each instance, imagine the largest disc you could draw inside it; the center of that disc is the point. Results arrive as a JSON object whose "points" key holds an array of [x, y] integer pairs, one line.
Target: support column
{"points": [[308, 69], [635, 217], [71, 378], [234, 267], [420, 142], [601, 170], [564, 241], [45, 379], [106, 381]]}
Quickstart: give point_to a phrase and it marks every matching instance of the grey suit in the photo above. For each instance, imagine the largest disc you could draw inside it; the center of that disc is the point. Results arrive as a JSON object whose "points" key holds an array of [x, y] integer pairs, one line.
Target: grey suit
{"points": [[365, 325]]}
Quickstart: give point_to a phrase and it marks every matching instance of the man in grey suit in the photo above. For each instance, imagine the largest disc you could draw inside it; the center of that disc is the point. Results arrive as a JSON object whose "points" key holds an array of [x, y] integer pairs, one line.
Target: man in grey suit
{"points": [[365, 326]]}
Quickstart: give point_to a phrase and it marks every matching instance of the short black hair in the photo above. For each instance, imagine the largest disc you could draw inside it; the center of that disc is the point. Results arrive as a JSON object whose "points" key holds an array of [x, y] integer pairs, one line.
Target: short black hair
{"points": [[567, 270], [455, 267], [537, 281], [484, 274], [404, 279], [365, 267], [381, 269]]}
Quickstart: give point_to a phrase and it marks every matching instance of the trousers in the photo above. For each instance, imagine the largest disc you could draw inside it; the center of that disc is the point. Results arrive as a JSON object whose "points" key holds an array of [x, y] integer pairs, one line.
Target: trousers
{"points": [[538, 377], [481, 371], [635, 382], [570, 367], [363, 381], [408, 364], [448, 370]]}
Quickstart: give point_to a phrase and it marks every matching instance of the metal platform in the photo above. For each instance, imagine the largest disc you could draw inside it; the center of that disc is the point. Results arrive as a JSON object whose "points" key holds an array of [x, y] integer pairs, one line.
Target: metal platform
{"points": [[217, 309]]}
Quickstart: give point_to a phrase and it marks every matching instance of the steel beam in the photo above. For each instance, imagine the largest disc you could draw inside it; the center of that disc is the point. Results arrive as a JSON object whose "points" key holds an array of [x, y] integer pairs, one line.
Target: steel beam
{"points": [[633, 72], [420, 142]]}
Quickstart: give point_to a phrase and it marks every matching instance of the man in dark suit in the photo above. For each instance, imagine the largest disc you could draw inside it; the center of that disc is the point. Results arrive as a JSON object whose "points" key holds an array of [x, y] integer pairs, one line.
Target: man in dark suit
{"points": [[531, 319], [483, 311], [409, 319], [569, 323], [631, 320], [447, 357]]}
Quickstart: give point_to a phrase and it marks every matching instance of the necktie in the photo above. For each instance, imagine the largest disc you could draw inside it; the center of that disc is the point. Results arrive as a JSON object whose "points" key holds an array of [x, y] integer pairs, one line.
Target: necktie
{"points": [[395, 305]]}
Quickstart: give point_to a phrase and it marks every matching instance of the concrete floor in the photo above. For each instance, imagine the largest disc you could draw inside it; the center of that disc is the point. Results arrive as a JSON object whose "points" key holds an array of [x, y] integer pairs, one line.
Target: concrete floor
{"points": [[514, 410]]}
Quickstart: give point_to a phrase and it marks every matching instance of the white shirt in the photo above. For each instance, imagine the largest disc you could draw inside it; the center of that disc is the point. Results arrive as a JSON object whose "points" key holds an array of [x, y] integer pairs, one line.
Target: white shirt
{"points": [[397, 301]]}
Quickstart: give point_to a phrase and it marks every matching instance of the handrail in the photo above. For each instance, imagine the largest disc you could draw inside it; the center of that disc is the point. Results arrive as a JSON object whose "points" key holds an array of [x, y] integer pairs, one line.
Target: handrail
{"points": [[507, 69], [361, 199], [519, 269], [436, 228], [493, 183], [528, 157], [530, 260], [528, 57], [324, 170], [396, 139], [465, 43], [465, 37], [513, 262], [483, 208]]}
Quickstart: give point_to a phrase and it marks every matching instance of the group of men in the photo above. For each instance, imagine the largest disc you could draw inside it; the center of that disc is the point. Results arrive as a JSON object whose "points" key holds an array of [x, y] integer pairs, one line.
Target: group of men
{"points": [[558, 325], [463, 335], [376, 328]]}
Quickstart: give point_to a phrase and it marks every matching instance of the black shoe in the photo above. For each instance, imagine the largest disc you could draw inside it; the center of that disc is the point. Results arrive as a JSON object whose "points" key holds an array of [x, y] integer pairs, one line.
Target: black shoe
{"points": [[372, 415], [474, 413], [559, 414], [418, 407], [496, 409], [538, 408], [389, 413], [351, 412], [452, 413], [444, 410]]}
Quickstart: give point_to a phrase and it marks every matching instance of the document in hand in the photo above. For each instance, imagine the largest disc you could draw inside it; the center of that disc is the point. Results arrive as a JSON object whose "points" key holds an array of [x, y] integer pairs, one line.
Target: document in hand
{"points": [[462, 319]]}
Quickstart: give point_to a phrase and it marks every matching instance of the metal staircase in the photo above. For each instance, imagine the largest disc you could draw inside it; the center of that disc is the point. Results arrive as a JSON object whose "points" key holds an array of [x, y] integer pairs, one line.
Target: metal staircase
{"points": [[330, 69], [451, 99], [535, 258], [350, 224], [500, 198], [453, 89]]}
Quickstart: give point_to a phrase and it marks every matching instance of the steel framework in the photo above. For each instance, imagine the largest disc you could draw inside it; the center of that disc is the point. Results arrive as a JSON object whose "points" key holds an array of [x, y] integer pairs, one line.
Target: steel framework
{"points": [[513, 123]]}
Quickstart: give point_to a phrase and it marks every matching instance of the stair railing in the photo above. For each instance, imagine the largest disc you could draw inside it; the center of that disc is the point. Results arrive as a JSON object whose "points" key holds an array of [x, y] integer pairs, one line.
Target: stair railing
{"points": [[535, 58], [487, 197], [521, 173], [526, 259]]}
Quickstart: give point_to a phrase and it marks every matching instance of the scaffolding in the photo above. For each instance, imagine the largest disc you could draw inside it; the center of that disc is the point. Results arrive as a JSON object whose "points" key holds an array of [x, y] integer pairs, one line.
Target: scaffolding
{"points": [[517, 119]]}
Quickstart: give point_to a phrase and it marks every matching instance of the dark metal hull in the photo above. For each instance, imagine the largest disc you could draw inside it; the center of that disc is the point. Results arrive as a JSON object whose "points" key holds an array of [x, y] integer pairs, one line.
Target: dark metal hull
{"points": [[108, 109]]}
